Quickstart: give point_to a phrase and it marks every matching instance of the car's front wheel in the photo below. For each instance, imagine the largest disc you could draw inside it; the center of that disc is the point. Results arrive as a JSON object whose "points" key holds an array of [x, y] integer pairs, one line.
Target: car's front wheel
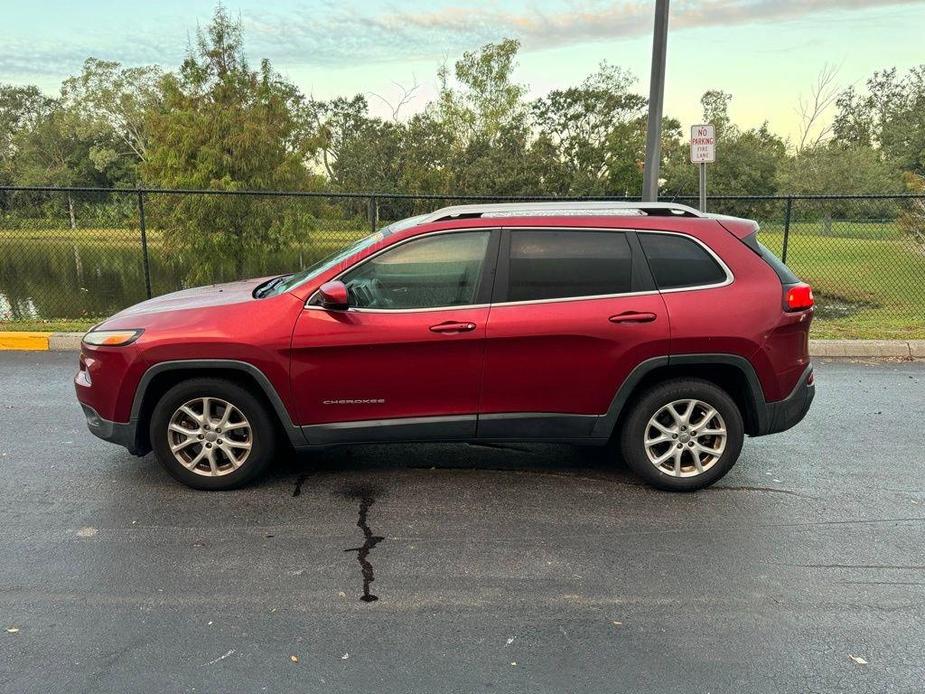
{"points": [[211, 433], [682, 434]]}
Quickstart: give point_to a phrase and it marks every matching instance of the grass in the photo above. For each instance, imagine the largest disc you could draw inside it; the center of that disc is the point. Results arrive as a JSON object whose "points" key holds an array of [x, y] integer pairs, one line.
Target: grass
{"points": [[61, 325], [880, 283], [882, 231]]}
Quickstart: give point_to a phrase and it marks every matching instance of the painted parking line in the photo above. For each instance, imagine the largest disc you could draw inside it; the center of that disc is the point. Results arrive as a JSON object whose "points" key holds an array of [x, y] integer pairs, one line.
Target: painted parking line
{"points": [[24, 341]]}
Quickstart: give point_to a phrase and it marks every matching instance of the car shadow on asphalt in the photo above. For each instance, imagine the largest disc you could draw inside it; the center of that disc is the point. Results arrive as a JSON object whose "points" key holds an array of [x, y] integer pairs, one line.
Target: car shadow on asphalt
{"points": [[532, 459]]}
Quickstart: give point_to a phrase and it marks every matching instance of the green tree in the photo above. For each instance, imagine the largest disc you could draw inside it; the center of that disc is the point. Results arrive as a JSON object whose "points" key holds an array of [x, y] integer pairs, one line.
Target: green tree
{"points": [[21, 110], [597, 128], [57, 151], [485, 102], [485, 118], [224, 126], [370, 158], [715, 104], [111, 105], [425, 157], [840, 169], [332, 126], [833, 168], [912, 219], [889, 114], [46, 141]]}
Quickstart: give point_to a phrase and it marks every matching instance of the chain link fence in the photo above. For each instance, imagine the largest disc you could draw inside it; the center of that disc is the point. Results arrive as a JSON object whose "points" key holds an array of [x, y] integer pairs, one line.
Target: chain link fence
{"points": [[82, 254]]}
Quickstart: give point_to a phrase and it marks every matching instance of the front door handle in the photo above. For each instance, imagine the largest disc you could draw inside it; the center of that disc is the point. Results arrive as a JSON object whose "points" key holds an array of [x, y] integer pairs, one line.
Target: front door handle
{"points": [[452, 326], [632, 317]]}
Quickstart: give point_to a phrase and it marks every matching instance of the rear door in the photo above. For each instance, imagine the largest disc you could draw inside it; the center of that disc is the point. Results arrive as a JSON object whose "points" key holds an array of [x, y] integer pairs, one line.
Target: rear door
{"points": [[574, 311]]}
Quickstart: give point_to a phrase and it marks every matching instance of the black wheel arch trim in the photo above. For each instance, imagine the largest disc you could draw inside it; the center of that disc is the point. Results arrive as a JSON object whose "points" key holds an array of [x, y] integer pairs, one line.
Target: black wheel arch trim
{"points": [[293, 432], [754, 393]]}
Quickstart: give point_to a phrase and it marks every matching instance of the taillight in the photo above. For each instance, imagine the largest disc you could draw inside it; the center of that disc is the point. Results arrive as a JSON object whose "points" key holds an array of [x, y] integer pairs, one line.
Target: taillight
{"points": [[798, 297]]}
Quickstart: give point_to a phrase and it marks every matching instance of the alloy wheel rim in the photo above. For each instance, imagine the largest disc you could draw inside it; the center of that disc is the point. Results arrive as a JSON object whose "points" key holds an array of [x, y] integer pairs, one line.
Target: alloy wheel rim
{"points": [[209, 436], [685, 438]]}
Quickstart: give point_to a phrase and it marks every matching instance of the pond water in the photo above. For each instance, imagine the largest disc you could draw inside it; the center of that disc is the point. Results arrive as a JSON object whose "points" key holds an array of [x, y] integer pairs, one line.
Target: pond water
{"points": [[65, 280]]}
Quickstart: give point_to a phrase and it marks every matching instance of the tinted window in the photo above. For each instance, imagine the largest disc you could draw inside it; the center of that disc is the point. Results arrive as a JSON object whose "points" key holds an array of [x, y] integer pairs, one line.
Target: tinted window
{"points": [[679, 262], [783, 272], [433, 271], [556, 264]]}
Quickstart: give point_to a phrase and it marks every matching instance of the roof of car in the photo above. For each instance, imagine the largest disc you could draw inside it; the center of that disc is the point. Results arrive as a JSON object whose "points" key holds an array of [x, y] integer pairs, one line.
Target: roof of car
{"points": [[548, 208]]}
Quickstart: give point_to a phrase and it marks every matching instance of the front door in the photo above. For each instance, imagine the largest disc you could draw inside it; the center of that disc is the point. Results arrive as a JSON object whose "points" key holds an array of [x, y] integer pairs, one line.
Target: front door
{"points": [[576, 313], [405, 360]]}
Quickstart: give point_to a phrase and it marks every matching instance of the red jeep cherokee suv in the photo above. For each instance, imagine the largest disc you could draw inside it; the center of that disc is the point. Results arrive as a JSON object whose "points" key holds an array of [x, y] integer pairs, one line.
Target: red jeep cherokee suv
{"points": [[668, 332]]}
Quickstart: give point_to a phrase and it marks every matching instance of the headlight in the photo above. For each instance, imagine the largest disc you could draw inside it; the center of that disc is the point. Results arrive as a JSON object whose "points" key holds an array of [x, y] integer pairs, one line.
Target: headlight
{"points": [[112, 338]]}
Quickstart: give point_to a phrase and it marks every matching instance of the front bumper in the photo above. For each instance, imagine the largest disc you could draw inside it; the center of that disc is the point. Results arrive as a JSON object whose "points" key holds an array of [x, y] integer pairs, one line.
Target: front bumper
{"points": [[787, 413], [114, 432]]}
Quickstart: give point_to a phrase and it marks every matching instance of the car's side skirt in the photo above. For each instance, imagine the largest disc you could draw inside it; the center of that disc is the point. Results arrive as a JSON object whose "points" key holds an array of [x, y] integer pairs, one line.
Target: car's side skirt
{"points": [[517, 426]]}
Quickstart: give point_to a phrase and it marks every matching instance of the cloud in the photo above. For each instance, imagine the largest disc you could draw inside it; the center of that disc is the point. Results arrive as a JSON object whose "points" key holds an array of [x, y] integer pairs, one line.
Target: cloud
{"points": [[342, 34], [337, 33], [36, 57]]}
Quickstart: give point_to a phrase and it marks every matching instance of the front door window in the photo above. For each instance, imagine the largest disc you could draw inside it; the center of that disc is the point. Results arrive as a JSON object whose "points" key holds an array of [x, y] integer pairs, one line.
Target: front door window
{"points": [[440, 270]]}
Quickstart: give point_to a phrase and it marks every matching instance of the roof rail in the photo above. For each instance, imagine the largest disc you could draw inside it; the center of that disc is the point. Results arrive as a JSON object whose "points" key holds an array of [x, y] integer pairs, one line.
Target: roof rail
{"points": [[561, 209]]}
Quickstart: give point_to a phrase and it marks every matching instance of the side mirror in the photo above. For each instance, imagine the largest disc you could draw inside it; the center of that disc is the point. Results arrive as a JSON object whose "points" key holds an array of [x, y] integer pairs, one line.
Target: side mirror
{"points": [[334, 296]]}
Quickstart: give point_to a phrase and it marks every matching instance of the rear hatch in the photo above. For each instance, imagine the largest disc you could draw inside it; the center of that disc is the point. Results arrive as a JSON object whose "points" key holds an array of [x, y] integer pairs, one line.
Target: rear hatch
{"points": [[787, 343], [797, 295]]}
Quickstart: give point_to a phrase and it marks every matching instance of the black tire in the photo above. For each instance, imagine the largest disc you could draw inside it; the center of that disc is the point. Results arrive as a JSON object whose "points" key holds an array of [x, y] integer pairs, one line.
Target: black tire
{"points": [[262, 436], [633, 433]]}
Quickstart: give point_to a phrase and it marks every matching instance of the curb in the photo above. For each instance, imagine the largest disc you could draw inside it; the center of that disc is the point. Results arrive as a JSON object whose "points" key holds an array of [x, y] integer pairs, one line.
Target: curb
{"points": [[904, 349], [39, 341], [64, 342], [24, 341], [871, 349]]}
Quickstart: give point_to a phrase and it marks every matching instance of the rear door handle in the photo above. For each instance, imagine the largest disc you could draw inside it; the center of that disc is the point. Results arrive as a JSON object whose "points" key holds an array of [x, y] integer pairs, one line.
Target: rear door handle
{"points": [[632, 317], [452, 326]]}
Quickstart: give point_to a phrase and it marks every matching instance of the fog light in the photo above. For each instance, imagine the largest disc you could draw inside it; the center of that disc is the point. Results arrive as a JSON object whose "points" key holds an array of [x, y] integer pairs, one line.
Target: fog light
{"points": [[83, 371]]}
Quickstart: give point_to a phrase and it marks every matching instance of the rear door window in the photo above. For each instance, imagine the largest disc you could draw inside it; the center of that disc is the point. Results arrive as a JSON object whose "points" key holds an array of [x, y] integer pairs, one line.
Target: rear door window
{"points": [[558, 264], [678, 262]]}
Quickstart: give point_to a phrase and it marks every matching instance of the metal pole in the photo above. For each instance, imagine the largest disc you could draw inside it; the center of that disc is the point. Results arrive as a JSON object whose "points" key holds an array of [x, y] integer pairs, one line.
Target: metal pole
{"points": [[373, 213], [656, 99], [703, 187], [787, 229], [144, 243]]}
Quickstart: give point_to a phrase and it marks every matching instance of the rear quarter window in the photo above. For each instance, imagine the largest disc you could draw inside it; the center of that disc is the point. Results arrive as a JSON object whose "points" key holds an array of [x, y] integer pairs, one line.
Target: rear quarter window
{"points": [[783, 272], [677, 261]]}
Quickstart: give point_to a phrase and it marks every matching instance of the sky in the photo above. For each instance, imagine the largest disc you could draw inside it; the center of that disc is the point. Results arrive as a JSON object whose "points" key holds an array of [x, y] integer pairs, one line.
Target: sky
{"points": [[766, 53]]}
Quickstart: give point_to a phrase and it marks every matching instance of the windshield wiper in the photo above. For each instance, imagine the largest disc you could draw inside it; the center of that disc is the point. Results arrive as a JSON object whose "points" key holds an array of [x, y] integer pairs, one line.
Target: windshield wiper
{"points": [[268, 286]]}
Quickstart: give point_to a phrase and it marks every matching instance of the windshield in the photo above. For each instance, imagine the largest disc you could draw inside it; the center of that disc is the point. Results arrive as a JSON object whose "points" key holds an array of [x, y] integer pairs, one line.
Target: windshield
{"points": [[293, 281]]}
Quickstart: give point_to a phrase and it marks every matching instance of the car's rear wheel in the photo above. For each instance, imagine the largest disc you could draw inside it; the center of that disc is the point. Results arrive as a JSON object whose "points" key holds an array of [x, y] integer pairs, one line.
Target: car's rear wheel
{"points": [[212, 434], [682, 434]]}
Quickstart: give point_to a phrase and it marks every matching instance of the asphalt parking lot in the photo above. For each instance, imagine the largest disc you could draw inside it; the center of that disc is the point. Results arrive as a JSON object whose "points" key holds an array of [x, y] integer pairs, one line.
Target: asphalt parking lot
{"points": [[537, 568]]}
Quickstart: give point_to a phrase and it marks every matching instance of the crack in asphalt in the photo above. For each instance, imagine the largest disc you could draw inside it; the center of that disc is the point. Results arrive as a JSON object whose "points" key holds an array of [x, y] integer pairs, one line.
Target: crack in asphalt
{"points": [[298, 484], [744, 488], [367, 497], [910, 567]]}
